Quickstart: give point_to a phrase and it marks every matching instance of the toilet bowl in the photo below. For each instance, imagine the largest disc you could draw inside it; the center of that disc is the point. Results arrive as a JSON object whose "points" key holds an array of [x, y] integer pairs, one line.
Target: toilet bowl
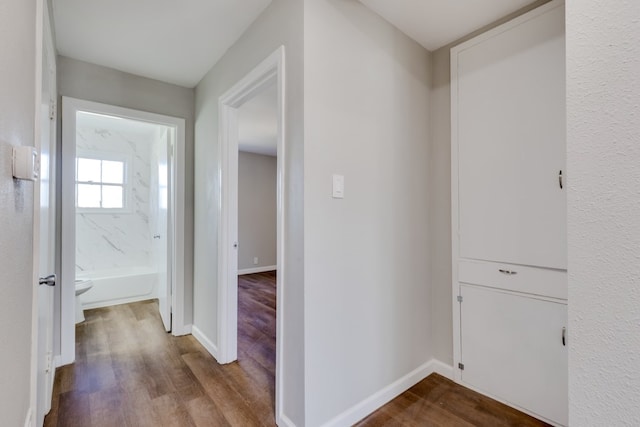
{"points": [[82, 286]]}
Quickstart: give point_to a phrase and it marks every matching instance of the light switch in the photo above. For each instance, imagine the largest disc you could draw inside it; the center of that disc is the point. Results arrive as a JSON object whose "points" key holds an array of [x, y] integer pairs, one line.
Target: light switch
{"points": [[338, 186]]}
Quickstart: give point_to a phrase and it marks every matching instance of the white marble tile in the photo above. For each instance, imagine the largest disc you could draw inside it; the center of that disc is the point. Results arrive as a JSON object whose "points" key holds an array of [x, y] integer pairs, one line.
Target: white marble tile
{"points": [[106, 241]]}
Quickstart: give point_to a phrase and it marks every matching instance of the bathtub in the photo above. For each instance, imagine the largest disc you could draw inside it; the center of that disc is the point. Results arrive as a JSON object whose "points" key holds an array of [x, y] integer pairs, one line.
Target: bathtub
{"points": [[119, 286]]}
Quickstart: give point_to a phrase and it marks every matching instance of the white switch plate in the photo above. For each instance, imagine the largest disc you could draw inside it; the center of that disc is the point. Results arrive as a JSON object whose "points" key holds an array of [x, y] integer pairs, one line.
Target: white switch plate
{"points": [[338, 186]]}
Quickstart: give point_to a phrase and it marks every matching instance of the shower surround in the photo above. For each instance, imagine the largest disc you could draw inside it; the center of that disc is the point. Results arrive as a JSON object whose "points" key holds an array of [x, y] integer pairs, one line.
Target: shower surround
{"points": [[116, 249]]}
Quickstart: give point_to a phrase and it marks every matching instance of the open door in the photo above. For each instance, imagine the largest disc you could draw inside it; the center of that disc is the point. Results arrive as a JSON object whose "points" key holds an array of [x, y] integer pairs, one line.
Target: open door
{"points": [[163, 238], [45, 230]]}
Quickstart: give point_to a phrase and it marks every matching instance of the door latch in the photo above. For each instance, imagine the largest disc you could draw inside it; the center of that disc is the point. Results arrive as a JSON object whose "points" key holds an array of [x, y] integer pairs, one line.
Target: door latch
{"points": [[49, 280]]}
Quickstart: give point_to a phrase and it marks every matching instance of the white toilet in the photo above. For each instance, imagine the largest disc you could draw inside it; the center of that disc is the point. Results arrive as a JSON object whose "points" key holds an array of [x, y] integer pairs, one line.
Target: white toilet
{"points": [[82, 286]]}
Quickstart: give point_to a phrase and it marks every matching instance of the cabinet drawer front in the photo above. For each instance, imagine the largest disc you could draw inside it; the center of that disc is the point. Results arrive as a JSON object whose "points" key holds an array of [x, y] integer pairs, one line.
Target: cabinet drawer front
{"points": [[518, 278]]}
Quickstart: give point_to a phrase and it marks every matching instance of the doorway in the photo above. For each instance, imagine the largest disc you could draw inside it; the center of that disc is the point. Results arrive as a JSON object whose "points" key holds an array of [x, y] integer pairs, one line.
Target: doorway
{"points": [[268, 74], [122, 213]]}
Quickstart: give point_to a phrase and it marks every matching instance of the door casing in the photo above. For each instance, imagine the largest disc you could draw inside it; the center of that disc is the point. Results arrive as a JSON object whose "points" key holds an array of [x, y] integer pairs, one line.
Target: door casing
{"points": [[269, 71]]}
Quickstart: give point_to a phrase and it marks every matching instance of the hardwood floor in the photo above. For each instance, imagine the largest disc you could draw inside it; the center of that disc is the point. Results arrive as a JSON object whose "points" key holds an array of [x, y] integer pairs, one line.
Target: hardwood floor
{"points": [[437, 401], [130, 372]]}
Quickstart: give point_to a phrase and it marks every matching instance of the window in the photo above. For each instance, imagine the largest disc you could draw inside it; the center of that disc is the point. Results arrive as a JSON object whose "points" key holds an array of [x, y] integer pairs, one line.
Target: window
{"points": [[100, 183]]}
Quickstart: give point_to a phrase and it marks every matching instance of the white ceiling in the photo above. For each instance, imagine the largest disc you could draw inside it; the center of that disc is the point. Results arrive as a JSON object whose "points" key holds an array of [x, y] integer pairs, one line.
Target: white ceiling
{"points": [[176, 41], [258, 123], [436, 23]]}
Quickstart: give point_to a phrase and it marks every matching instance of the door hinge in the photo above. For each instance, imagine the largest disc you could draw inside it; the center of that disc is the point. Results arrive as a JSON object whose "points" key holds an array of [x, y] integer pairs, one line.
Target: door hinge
{"points": [[461, 366], [459, 298], [52, 110]]}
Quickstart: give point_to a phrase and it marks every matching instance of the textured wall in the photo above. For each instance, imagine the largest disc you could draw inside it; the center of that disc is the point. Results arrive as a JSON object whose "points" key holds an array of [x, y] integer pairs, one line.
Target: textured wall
{"points": [[257, 196], [17, 112], [603, 89]]}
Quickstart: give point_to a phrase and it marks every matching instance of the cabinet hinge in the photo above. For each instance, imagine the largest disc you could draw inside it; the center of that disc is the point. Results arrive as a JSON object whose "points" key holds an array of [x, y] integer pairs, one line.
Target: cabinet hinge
{"points": [[461, 366], [459, 298]]}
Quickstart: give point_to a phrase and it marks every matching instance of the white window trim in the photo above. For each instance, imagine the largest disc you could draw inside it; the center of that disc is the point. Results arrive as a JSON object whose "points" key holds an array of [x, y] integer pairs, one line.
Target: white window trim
{"points": [[127, 186]]}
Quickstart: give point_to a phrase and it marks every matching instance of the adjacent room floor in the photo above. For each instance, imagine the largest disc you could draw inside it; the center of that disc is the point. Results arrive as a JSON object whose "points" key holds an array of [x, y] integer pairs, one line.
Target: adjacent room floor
{"points": [[130, 372]]}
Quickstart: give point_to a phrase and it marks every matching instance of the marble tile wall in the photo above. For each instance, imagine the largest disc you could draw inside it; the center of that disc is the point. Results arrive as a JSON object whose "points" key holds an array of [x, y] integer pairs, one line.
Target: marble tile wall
{"points": [[107, 241]]}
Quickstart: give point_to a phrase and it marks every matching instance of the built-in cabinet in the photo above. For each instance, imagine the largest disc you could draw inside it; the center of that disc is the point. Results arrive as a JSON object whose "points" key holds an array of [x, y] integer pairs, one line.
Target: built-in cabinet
{"points": [[509, 213]]}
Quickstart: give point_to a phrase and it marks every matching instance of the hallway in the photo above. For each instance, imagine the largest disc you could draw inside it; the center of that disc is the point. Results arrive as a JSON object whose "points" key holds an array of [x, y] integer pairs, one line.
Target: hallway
{"points": [[130, 372]]}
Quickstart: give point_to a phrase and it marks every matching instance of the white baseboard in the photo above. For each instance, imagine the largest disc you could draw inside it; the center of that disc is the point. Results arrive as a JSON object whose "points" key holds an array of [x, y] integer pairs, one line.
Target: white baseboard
{"points": [[205, 341], [442, 368], [388, 393], [28, 421], [185, 330], [257, 270], [285, 421]]}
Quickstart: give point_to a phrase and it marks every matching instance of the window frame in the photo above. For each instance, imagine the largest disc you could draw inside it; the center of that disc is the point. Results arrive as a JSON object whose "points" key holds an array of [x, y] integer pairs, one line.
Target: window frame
{"points": [[126, 184]]}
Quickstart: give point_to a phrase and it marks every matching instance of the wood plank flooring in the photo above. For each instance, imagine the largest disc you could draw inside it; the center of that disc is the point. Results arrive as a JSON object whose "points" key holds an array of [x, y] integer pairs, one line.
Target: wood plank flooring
{"points": [[130, 372]]}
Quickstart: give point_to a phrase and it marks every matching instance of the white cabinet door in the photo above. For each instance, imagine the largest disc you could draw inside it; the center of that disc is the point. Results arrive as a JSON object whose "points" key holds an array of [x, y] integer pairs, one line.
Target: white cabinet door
{"points": [[512, 349], [509, 127]]}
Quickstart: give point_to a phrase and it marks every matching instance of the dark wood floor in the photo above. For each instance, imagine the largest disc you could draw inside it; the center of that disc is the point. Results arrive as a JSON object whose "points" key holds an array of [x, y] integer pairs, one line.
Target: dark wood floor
{"points": [[129, 372]]}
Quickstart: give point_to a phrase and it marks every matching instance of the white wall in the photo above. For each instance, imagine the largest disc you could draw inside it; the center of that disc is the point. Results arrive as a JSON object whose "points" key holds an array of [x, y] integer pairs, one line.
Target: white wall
{"points": [[603, 154], [367, 290], [108, 241], [257, 196], [280, 24], [17, 114], [91, 82]]}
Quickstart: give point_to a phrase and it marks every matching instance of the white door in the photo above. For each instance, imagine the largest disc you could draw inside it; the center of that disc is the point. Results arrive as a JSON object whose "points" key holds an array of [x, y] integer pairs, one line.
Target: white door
{"points": [[46, 235], [511, 144], [514, 349], [162, 239]]}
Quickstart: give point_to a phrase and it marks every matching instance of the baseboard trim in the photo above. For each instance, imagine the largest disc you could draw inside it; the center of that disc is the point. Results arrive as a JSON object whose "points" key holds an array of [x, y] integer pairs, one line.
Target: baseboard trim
{"points": [[28, 422], [178, 332], [388, 393], [205, 341], [257, 270], [442, 368], [285, 421]]}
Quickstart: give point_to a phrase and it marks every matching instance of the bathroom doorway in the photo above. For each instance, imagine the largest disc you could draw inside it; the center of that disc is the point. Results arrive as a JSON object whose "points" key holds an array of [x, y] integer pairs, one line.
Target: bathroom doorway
{"points": [[122, 213]]}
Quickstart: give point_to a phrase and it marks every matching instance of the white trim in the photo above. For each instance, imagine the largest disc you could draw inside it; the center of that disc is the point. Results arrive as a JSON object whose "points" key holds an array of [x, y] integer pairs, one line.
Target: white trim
{"points": [[205, 341], [442, 368], [257, 270], [271, 70], [35, 240], [365, 407], [28, 420], [67, 275], [285, 421], [455, 202]]}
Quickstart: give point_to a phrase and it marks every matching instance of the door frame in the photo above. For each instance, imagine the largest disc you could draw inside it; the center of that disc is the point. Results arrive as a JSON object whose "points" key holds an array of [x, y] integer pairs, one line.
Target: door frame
{"points": [[269, 71], [70, 106]]}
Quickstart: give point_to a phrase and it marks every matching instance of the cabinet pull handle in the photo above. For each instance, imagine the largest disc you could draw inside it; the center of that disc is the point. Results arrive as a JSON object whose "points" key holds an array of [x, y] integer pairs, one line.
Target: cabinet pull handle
{"points": [[508, 272], [560, 179], [564, 336]]}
